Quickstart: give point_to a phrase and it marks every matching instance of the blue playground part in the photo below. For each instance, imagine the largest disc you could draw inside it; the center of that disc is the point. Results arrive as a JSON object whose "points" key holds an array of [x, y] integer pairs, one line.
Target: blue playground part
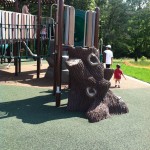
{"points": [[101, 58], [3, 48], [79, 27]]}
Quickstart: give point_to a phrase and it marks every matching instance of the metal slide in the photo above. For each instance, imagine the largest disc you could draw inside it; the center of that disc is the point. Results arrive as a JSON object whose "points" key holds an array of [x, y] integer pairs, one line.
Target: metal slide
{"points": [[28, 49]]}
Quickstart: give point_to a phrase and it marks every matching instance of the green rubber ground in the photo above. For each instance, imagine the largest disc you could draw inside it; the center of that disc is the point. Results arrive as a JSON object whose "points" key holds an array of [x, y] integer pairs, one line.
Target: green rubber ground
{"points": [[29, 120]]}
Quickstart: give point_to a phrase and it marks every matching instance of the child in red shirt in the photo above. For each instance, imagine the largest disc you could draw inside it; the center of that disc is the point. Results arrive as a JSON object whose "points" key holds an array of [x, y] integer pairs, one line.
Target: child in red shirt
{"points": [[117, 75]]}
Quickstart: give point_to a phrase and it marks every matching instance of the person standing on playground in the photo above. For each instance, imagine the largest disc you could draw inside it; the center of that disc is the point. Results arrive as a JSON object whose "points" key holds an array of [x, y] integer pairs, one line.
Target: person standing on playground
{"points": [[117, 75], [25, 8], [43, 32], [108, 56]]}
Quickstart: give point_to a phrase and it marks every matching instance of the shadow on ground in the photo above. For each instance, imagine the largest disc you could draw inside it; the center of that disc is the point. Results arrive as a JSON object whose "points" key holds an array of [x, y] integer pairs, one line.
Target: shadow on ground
{"points": [[38, 109], [25, 78]]}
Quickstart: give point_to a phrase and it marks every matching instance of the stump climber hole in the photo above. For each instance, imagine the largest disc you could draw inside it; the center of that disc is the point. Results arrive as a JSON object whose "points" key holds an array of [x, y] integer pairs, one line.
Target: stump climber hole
{"points": [[93, 60], [91, 92]]}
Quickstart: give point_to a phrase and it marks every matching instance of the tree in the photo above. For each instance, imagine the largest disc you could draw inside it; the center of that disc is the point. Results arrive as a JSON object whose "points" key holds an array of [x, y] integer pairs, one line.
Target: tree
{"points": [[138, 29], [114, 20], [82, 4], [125, 25]]}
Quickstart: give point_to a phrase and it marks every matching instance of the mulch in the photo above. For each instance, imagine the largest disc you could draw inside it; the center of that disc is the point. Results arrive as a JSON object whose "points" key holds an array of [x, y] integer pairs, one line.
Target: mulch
{"points": [[28, 77]]}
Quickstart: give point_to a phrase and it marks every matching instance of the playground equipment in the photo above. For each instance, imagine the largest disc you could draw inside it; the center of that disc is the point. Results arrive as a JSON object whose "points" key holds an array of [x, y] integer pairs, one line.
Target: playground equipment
{"points": [[29, 50], [101, 48], [24, 29], [69, 23], [90, 85], [68, 40]]}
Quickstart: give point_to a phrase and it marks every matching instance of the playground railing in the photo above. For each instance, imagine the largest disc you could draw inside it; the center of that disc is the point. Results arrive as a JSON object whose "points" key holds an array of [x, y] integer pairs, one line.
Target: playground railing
{"points": [[18, 28]]}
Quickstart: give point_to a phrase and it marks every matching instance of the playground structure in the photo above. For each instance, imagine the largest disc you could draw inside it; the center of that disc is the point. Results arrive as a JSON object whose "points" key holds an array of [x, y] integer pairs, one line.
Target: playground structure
{"points": [[89, 81], [17, 29], [68, 42], [90, 85]]}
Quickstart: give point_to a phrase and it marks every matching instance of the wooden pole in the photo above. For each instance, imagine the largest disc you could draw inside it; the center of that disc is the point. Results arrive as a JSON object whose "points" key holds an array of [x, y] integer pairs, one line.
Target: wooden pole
{"points": [[38, 38], [16, 60], [16, 6], [96, 38], [55, 52], [59, 51]]}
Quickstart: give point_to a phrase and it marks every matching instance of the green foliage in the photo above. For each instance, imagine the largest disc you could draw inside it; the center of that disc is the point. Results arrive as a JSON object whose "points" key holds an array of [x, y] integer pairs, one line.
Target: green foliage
{"points": [[143, 58], [138, 29], [1, 7], [82, 4], [126, 26]]}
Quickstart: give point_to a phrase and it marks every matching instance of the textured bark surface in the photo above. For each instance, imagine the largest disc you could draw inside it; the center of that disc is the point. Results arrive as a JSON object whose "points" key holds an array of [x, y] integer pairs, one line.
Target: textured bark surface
{"points": [[89, 90]]}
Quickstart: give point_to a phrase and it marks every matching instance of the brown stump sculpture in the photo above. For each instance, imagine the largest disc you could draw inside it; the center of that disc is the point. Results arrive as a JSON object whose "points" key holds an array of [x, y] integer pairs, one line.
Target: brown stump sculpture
{"points": [[89, 86]]}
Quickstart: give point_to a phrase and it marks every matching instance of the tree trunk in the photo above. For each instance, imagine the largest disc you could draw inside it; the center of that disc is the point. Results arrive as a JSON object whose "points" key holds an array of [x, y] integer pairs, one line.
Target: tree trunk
{"points": [[90, 86]]}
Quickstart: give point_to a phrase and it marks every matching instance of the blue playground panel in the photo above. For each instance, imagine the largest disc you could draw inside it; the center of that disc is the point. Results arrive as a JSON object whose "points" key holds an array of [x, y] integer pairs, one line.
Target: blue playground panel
{"points": [[3, 48], [79, 27]]}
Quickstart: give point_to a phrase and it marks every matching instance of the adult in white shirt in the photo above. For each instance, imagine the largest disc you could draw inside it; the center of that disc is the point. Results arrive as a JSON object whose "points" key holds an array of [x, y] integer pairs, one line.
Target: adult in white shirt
{"points": [[25, 8], [108, 56]]}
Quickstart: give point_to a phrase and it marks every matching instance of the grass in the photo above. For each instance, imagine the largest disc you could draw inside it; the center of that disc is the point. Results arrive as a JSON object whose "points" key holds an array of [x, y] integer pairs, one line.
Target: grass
{"points": [[140, 63], [139, 70]]}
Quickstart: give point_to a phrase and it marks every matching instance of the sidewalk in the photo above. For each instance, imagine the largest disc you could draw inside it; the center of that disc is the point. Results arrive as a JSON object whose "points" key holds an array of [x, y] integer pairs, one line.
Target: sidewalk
{"points": [[130, 83]]}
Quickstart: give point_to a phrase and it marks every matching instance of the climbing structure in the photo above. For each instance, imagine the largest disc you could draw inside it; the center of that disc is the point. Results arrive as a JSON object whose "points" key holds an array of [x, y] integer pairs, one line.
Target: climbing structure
{"points": [[89, 89]]}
